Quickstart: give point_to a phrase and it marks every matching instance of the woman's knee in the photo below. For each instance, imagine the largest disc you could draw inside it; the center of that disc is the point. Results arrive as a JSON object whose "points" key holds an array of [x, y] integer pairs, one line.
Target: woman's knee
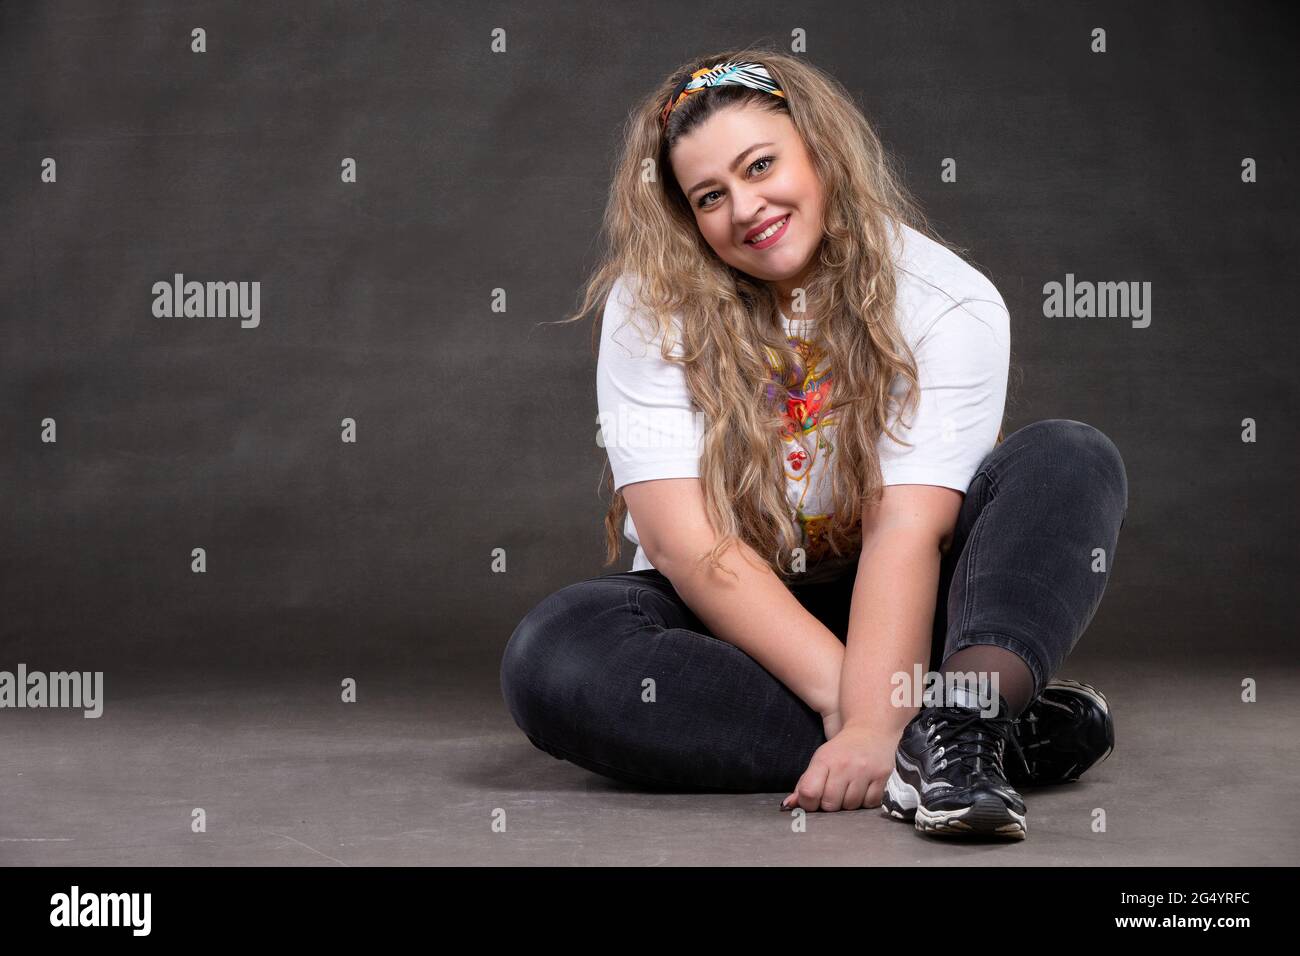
{"points": [[1079, 451], [544, 660], [527, 659]]}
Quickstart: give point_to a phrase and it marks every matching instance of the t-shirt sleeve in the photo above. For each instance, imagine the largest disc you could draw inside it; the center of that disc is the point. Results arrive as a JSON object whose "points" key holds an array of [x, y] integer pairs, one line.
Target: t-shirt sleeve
{"points": [[649, 425], [962, 363]]}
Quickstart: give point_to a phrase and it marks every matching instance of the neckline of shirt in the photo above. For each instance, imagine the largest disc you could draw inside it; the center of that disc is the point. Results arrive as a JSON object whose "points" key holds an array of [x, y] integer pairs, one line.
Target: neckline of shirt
{"points": [[797, 327]]}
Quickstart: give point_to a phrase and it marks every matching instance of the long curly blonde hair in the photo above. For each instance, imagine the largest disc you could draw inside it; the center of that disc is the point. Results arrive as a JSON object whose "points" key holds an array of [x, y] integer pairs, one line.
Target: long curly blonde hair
{"points": [[729, 322]]}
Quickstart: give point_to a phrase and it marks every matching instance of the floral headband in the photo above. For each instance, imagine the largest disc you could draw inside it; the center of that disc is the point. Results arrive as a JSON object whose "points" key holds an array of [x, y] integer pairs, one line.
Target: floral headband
{"points": [[753, 75]]}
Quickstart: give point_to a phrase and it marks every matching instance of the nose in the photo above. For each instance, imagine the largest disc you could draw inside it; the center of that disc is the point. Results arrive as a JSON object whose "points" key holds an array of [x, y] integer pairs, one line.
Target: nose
{"points": [[747, 212]]}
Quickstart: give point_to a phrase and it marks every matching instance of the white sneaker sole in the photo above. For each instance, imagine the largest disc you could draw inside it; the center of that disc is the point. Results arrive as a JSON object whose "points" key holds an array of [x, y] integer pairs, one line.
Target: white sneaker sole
{"points": [[990, 817]]}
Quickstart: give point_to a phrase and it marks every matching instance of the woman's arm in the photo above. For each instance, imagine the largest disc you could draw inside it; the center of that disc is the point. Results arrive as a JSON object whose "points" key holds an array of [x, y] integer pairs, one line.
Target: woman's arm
{"points": [[962, 360], [891, 618], [755, 611], [890, 623]]}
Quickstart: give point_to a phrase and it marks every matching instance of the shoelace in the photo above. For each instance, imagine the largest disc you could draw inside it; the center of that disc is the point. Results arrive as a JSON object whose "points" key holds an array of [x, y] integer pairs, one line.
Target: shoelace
{"points": [[985, 742]]}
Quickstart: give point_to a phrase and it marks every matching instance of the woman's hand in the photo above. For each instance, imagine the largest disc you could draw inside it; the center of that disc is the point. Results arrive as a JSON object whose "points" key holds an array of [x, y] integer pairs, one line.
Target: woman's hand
{"points": [[848, 772], [831, 724]]}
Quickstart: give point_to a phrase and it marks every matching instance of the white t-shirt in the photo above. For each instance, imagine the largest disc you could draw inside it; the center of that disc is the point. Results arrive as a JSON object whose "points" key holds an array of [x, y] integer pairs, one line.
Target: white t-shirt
{"points": [[953, 319]]}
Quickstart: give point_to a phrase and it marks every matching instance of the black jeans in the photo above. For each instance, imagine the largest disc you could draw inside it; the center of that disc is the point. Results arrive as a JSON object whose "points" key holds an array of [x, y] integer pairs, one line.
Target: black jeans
{"points": [[1023, 572]]}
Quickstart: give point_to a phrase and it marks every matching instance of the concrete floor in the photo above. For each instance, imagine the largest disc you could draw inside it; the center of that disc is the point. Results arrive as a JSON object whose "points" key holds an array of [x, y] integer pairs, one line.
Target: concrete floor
{"points": [[412, 774]]}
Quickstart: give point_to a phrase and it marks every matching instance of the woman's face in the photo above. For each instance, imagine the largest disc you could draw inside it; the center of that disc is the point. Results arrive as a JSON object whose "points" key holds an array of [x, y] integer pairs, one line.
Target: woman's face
{"points": [[742, 171]]}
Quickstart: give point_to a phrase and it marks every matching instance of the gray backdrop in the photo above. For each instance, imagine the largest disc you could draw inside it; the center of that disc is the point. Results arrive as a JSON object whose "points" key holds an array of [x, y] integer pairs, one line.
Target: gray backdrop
{"points": [[479, 170]]}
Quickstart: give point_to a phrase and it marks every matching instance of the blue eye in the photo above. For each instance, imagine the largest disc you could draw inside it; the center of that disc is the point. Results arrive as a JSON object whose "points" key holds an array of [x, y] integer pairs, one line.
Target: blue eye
{"points": [[762, 159]]}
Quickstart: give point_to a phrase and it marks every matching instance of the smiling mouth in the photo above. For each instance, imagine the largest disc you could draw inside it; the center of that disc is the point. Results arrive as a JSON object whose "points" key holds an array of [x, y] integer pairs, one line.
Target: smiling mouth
{"points": [[769, 232]]}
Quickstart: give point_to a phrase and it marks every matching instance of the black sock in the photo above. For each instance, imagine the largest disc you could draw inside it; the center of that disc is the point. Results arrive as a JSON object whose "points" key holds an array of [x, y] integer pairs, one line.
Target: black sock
{"points": [[1015, 679]]}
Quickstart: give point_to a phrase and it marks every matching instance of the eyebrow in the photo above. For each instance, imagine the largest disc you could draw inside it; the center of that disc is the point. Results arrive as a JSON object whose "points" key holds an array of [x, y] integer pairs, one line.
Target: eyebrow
{"points": [[734, 163]]}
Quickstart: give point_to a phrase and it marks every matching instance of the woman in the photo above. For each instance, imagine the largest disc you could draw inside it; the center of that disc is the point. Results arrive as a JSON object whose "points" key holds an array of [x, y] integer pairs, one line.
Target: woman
{"points": [[801, 394]]}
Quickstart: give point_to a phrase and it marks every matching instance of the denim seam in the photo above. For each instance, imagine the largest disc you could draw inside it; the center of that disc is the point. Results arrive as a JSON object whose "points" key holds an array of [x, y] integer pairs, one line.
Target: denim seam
{"points": [[1006, 642], [972, 549], [634, 604]]}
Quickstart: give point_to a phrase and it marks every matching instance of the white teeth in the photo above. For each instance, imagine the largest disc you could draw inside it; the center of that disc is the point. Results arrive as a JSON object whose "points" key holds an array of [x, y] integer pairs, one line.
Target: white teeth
{"points": [[768, 232]]}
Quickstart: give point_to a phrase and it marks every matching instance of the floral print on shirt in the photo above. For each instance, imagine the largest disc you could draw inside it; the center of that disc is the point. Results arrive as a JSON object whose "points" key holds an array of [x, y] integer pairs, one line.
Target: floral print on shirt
{"points": [[808, 440]]}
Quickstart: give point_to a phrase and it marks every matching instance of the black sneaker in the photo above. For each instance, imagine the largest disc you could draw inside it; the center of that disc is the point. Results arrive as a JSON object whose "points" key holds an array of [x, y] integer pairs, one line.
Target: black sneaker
{"points": [[1064, 731], [948, 777]]}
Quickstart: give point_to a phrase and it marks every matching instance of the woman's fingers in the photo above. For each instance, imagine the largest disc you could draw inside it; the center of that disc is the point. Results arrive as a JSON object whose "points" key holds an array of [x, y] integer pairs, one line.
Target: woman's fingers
{"points": [[832, 793], [856, 792], [808, 792], [821, 789]]}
